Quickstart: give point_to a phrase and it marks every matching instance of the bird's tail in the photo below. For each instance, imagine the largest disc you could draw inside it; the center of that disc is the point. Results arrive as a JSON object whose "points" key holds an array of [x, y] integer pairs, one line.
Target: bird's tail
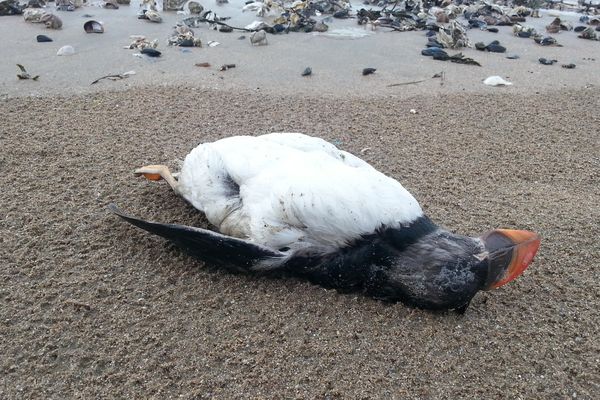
{"points": [[232, 253]]}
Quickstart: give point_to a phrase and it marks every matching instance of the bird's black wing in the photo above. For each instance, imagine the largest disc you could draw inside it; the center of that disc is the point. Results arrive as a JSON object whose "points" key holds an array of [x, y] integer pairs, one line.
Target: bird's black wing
{"points": [[212, 247]]}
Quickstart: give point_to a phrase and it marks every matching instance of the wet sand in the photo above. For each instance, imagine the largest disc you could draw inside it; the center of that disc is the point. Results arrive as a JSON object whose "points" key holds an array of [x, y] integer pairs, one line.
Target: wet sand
{"points": [[91, 307]]}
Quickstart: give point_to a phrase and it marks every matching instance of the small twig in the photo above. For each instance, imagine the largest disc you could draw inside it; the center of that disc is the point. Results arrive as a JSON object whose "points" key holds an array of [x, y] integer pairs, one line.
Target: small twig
{"points": [[224, 24], [408, 83], [438, 75], [79, 304], [107, 76]]}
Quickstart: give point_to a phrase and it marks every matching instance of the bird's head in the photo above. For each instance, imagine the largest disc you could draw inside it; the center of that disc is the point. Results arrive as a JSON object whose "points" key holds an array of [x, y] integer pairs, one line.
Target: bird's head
{"points": [[443, 270]]}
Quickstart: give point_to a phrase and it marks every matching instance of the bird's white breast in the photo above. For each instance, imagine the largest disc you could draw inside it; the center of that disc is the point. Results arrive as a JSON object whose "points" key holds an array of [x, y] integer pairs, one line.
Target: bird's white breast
{"points": [[294, 191]]}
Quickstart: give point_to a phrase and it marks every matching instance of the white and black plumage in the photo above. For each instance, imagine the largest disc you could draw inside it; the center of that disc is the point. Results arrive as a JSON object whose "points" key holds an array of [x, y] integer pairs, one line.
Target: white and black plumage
{"points": [[291, 204]]}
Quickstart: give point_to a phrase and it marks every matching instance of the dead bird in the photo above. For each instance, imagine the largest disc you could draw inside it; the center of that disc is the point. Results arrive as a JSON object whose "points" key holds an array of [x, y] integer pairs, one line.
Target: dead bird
{"points": [[288, 204]]}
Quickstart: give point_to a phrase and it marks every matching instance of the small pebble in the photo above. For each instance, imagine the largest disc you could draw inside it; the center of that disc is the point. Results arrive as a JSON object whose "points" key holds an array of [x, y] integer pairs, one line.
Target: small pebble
{"points": [[368, 71]]}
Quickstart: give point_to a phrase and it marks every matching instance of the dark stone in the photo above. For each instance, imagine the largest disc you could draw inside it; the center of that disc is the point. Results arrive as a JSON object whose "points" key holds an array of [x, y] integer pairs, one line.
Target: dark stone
{"points": [[151, 52], [43, 39]]}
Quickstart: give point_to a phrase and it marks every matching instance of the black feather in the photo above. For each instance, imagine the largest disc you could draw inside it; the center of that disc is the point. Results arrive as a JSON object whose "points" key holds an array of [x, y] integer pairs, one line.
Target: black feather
{"points": [[213, 247]]}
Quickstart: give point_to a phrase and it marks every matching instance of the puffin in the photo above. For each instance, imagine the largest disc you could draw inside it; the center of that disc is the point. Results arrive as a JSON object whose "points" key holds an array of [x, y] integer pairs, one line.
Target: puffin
{"points": [[293, 205]]}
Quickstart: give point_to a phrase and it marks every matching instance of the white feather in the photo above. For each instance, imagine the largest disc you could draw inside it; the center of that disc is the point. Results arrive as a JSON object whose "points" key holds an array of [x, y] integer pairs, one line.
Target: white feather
{"points": [[294, 191]]}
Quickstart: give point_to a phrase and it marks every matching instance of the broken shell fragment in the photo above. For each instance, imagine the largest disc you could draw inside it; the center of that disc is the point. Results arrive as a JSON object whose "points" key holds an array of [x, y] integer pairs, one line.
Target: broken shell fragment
{"points": [[93, 27], [496, 81]]}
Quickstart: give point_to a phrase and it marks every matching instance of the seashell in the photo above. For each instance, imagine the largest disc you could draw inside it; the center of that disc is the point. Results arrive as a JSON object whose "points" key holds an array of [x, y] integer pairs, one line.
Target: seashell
{"points": [[496, 81], [93, 27], [66, 51], [153, 16]]}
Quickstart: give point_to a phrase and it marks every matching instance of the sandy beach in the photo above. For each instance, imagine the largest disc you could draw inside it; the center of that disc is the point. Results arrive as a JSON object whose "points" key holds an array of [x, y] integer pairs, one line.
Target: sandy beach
{"points": [[93, 308]]}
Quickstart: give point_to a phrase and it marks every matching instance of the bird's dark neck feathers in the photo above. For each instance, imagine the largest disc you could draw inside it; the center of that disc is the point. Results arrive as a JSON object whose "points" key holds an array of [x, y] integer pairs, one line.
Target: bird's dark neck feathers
{"points": [[361, 266], [403, 236]]}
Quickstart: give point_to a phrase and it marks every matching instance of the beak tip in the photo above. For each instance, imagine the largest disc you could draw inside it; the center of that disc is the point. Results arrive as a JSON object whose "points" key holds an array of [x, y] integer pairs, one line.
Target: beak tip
{"points": [[524, 246]]}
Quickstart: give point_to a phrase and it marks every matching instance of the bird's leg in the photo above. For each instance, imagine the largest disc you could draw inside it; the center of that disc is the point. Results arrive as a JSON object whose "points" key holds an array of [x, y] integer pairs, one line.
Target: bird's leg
{"points": [[158, 172]]}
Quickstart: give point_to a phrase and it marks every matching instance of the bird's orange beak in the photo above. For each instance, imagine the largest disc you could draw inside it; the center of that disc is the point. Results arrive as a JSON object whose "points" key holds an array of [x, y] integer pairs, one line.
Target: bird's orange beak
{"points": [[509, 253]]}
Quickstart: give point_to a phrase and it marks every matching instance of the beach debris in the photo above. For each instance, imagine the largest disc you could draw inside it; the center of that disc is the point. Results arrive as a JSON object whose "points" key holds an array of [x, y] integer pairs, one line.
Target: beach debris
{"points": [[114, 77], [432, 51], [496, 81], [65, 5], [140, 42], [111, 4], [43, 39], [257, 26], [225, 67], [150, 52], [453, 37], [66, 51], [513, 57], [545, 61], [523, 31], [459, 58], [441, 55], [262, 8], [407, 83], [175, 5], [307, 71], [202, 64], [368, 71], [92, 26], [184, 36], [546, 41], [589, 34], [568, 66], [149, 11], [213, 43], [192, 7], [150, 15], [36, 4], [557, 25], [52, 21], [33, 15], [493, 47], [258, 38], [24, 74], [412, 111], [11, 7]]}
